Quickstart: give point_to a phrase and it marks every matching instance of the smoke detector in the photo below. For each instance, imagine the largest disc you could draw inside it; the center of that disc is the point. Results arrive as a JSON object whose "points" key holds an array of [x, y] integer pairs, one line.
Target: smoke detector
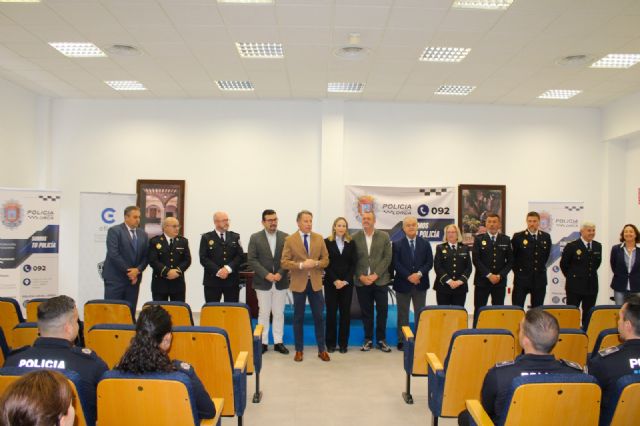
{"points": [[123, 50], [574, 60], [352, 51]]}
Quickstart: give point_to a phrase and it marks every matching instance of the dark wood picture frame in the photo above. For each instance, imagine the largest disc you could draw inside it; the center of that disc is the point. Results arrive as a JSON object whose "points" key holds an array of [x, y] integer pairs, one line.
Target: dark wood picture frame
{"points": [[474, 203], [158, 199]]}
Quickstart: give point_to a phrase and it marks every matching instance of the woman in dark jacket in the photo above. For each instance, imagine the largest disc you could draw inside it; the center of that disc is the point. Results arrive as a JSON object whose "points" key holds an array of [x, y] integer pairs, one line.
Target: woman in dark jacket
{"points": [[338, 284], [625, 264], [452, 264]]}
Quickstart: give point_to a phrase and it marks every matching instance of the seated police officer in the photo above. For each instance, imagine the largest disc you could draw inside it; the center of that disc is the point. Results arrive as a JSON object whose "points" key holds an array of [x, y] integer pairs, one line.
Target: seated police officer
{"points": [[612, 363], [58, 328], [538, 335]]}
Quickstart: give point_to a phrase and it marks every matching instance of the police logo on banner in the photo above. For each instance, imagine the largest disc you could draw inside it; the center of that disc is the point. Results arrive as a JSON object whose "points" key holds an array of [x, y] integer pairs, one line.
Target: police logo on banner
{"points": [[12, 214]]}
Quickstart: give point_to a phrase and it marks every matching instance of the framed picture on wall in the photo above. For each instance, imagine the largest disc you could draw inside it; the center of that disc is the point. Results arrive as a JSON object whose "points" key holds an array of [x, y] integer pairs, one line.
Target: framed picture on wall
{"points": [[158, 199], [475, 202]]}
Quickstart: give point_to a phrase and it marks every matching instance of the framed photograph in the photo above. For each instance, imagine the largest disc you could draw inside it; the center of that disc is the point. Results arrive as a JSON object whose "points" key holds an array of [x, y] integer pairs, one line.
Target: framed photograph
{"points": [[158, 199], [475, 202]]}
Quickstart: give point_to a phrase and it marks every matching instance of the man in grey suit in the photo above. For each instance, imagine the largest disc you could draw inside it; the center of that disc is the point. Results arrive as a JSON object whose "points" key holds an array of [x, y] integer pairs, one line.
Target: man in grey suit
{"points": [[270, 280], [373, 253], [127, 247]]}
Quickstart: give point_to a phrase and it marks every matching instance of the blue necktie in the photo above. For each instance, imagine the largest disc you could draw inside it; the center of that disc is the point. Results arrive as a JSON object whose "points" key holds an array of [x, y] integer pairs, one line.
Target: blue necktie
{"points": [[493, 239], [413, 248], [134, 241], [306, 243]]}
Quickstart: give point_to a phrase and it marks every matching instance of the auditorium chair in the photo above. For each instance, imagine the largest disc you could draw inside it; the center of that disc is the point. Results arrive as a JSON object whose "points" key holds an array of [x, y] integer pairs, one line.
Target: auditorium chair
{"points": [[434, 327], [606, 338], [106, 311], [471, 353], [110, 341], [567, 316], [572, 345], [32, 309], [10, 316], [4, 348], [235, 319], [623, 404], [158, 399], [600, 318], [208, 350], [180, 312], [84, 414], [505, 316], [546, 399], [24, 334]]}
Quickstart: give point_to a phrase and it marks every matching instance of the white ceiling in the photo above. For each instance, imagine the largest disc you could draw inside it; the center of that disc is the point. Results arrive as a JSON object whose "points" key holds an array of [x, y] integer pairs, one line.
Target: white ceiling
{"points": [[188, 44]]}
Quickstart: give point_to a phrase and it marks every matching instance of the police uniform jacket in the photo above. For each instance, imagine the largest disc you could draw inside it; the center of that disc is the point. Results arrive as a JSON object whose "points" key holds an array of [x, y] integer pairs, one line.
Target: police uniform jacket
{"points": [[215, 254], [452, 265], [163, 258], [530, 257], [204, 405], [59, 354], [580, 266], [492, 258], [612, 363], [497, 382]]}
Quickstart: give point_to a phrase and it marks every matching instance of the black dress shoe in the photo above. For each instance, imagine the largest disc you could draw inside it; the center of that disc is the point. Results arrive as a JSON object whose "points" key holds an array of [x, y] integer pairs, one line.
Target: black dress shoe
{"points": [[264, 348], [331, 349], [279, 347], [343, 350], [400, 346]]}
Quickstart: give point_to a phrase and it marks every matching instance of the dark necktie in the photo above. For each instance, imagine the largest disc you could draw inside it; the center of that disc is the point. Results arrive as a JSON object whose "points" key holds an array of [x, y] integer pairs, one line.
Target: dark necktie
{"points": [[306, 243], [535, 237], [222, 236], [170, 244], [413, 248], [453, 248], [589, 246], [493, 239], [134, 240]]}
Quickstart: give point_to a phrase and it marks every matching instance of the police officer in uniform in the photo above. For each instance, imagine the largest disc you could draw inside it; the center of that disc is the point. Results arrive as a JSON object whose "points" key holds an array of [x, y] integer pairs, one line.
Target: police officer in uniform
{"points": [[493, 259], [169, 257], [531, 250], [221, 255], [453, 268], [58, 328], [612, 363], [579, 263], [538, 335]]}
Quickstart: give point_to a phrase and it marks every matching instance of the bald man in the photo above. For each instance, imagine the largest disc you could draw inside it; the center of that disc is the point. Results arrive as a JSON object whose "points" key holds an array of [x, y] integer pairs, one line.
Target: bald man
{"points": [[221, 255], [169, 257]]}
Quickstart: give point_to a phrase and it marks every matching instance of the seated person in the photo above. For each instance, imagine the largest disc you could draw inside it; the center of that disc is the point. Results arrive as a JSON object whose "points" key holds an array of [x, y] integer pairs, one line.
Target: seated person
{"points": [[39, 398], [148, 353]]}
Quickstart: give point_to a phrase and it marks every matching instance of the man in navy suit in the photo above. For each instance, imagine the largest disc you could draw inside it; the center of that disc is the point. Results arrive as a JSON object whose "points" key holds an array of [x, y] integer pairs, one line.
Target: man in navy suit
{"points": [[127, 247], [412, 260]]}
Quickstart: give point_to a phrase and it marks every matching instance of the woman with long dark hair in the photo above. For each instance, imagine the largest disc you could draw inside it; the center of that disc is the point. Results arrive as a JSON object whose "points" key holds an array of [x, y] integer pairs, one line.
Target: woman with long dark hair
{"points": [[148, 353]]}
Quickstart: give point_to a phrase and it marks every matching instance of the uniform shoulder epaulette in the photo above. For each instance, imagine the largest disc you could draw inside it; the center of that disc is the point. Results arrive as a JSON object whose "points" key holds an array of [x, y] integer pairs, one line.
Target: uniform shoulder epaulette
{"points": [[83, 351], [608, 351], [571, 364], [505, 363], [181, 365]]}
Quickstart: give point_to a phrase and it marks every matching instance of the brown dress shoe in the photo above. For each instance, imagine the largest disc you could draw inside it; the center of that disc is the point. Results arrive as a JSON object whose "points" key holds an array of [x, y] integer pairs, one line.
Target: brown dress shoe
{"points": [[324, 356], [298, 357]]}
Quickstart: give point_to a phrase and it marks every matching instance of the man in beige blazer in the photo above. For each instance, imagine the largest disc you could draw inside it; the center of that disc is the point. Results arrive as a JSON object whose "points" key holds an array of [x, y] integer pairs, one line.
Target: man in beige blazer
{"points": [[305, 256]]}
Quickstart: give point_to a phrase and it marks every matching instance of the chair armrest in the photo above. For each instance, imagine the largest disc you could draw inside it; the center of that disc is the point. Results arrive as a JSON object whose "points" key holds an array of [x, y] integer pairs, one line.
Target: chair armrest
{"points": [[434, 362], [477, 413], [240, 383], [219, 404], [257, 347], [406, 331], [257, 332], [241, 361]]}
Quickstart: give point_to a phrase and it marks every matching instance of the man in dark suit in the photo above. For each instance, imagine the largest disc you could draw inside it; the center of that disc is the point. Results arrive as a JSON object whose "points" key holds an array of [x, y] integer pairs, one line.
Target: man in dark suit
{"points": [[531, 250], [492, 259], [169, 257], [412, 261], [579, 263], [221, 255], [127, 247], [270, 279]]}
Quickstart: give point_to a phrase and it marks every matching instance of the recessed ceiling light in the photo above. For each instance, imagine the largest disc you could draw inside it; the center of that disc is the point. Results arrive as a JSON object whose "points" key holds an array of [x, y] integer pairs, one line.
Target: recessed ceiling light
{"points": [[483, 4], [444, 54], [126, 85], [345, 87], [454, 90], [78, 50], [237, 86], [559, 94], [247, 1], [617, 60], [260, 50]]}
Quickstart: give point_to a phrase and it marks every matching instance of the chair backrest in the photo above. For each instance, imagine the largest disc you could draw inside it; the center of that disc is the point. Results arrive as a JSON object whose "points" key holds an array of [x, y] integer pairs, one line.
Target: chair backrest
{"points": [[180, 312], [624, 402], [110, 341], [159, 399], [208, 351], [32, 309], [471, 353], [553, 400], [106, 312], [434, 327], [4, 348], [235, 319], [600, 318], [507, 317], [24, 334], [10, 316], [606, 338], [567, 316], [572, 345]]}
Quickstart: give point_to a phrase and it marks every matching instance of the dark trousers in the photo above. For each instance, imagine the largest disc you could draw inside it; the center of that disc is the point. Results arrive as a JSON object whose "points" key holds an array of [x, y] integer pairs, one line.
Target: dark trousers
{"points": [[456, 299], [338, 300], [520, 294], [316, 302], [587, 301], [214, 294], [419, 299], [166, 297], [123, 291], [481, 296], [367, 295]]}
